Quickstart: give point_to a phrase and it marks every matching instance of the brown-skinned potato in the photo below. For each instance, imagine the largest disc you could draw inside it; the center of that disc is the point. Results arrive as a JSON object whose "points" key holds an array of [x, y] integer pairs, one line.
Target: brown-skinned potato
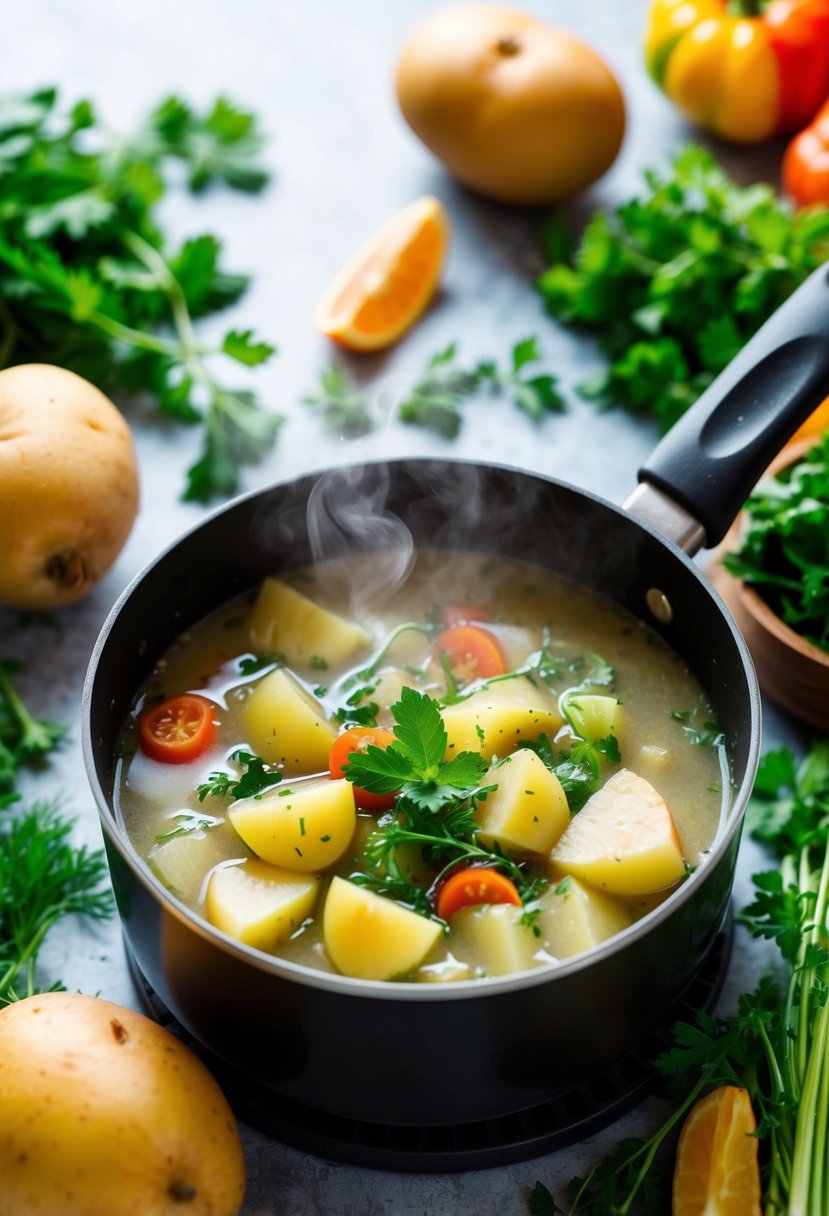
{"points": [[105, 1113], [518, 110], [68, 486]]}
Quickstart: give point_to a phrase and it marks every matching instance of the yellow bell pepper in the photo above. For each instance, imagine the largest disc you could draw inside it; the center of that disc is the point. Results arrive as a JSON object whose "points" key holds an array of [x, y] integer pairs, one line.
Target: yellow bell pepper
{"points": [[746, 70]]}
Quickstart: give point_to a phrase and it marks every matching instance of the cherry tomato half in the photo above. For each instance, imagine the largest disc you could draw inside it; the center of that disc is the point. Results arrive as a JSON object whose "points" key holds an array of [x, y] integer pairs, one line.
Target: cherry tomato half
{"points": [[474, 885], [473, 653], [357, 739], [178, 730]]}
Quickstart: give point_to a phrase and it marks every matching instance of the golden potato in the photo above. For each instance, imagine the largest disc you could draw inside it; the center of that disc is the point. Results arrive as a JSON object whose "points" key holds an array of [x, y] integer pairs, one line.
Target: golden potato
{"points": [[285, 620], [494, 720], [259, 904], [306, 828], [68, 486], [104, 1112], [287, 726], [372, 938], [515, 108], [528, 811], [574, 917]]}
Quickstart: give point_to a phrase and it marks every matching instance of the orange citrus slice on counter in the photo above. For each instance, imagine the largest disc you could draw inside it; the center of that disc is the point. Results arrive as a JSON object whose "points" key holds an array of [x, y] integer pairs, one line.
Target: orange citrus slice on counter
{"points": [[716, 1171], [388, 283]]}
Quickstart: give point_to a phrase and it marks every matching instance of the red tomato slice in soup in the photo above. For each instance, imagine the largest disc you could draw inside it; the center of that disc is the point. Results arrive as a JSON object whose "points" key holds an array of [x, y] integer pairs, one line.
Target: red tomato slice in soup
{"points": [[179, 729], [473, 653], [357, 739]]}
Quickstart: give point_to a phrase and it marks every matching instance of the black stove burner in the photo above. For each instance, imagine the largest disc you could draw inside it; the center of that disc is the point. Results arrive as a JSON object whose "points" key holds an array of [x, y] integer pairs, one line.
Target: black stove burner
{"points": [[569, 1117]]}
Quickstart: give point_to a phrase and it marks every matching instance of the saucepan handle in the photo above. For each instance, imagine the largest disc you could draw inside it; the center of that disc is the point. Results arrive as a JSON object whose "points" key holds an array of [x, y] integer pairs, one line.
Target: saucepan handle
{"points": [[712, 458]]}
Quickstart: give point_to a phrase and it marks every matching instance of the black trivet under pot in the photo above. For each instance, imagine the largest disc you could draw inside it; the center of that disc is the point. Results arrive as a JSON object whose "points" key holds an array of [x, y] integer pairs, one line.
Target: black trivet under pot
{"points": [[570, 1116]]}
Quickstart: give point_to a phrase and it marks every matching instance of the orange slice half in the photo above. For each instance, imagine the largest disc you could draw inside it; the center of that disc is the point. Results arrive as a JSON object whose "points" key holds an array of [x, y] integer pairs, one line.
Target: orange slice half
{"points": [[716, 1171], [382, 290]]}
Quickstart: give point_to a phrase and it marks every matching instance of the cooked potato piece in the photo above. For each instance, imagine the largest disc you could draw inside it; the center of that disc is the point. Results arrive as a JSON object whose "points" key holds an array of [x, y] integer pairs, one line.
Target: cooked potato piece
{"points": [[370, 937], [575, 918], [528, 811], [594, 716], [284, 620], [494, 934], [259, 904], [182, 861], [622, 840], [306, 828], [287, 726], [494, 720]]}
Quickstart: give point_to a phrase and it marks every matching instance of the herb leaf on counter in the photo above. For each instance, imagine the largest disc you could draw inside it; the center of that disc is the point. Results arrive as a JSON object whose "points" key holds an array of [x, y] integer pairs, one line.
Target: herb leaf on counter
{"points": [[343, 406], [23, 738], [43, 877], [783, 549], [435, 400], [650, 280], [89, 281], [535, 395]]}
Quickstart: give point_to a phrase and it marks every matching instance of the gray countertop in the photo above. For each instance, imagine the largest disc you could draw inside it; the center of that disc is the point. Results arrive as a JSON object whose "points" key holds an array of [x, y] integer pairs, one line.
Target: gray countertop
{"points": [[320, 76]]}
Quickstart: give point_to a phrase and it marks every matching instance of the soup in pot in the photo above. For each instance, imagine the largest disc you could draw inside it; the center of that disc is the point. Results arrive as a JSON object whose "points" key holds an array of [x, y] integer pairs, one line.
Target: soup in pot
{"points": [[489, 771]]}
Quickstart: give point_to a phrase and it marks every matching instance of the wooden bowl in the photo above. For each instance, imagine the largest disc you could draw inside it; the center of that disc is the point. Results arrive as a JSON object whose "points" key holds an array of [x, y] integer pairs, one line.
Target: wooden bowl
{"points": [[792, 672]]}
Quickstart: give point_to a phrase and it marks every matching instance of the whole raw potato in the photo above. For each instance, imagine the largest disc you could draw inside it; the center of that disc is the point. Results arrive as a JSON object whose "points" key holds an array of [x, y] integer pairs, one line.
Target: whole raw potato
{"points": [[68, 485], [516, 109], [104, 1113]]}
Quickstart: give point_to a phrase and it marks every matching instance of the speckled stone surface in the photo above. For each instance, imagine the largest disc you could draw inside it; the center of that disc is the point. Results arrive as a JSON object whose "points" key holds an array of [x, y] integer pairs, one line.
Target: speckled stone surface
{"points": [[320, 75]]}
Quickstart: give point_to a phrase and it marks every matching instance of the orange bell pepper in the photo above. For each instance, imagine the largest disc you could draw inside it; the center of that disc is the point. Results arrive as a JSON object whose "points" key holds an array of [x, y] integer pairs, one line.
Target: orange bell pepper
{"points": [[804, 172], [746, 69]]}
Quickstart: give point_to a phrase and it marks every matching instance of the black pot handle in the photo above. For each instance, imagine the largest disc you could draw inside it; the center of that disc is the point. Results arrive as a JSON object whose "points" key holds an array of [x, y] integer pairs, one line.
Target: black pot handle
{"points": [[712, 458]]}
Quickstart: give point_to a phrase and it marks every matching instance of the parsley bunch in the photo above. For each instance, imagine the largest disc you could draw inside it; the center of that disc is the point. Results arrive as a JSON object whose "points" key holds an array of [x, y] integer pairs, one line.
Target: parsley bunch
{"points": [[784, 551], [89, 281], [777, 1043], [674, 283]]}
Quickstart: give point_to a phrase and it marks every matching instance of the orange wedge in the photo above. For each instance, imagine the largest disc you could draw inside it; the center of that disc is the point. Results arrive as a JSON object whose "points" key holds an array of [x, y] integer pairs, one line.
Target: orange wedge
{"points": [[716, 1171], [382, 290]]}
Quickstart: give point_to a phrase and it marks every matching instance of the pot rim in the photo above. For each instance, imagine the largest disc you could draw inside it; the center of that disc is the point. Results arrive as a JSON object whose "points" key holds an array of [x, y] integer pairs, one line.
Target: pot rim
{"points": [[730, 825]]}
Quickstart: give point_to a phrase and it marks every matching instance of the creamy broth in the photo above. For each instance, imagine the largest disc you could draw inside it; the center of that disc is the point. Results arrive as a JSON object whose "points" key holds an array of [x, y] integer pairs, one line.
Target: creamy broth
{"points": [[664, 738]]}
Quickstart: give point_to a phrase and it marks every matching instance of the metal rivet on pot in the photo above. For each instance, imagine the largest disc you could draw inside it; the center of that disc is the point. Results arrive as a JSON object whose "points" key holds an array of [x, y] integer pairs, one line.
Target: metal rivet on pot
{"points": [[659, 605]]}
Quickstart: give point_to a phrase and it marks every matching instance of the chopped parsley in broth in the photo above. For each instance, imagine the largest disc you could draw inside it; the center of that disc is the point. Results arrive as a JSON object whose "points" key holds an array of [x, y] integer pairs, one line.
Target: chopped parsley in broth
{"points": [[491, 770]]}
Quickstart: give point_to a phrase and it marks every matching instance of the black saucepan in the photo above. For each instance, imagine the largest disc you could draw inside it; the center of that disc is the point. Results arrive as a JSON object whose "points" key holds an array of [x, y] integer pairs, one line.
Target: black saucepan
{"points": [[438, 1054]]}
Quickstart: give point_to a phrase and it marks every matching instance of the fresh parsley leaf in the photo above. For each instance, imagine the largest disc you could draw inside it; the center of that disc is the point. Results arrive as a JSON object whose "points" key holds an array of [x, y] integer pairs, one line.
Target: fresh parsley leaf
{"points": [[702, 732], [535, 395], [641, 277], [541, 1203], [256, 778], [436, 399], [344, 407], [24, 739], [250, 664]]}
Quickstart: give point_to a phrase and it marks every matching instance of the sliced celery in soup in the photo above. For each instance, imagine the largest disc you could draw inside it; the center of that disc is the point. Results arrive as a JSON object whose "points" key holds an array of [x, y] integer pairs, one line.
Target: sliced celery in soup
{"points": [[528, 769]]}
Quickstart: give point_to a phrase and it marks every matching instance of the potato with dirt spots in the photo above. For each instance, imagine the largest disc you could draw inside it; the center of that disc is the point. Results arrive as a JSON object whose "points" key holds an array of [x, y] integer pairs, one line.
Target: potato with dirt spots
{"points": [[68, 486], [104, 1113]]}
